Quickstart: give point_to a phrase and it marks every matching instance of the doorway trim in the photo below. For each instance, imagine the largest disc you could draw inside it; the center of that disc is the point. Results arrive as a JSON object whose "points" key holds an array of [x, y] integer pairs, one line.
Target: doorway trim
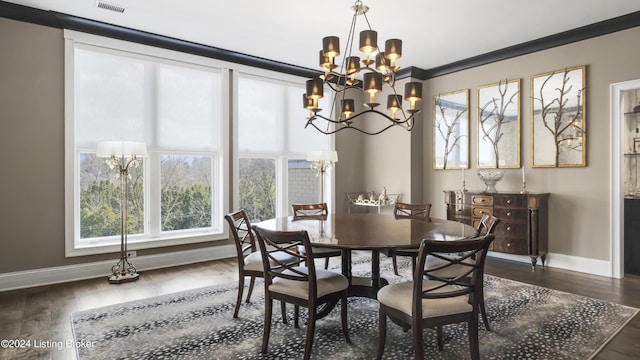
{"points": [[616, 219]]}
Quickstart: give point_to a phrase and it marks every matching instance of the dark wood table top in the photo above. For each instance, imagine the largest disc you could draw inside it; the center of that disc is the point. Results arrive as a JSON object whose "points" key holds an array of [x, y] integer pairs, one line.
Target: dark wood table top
{"points": [[369, 231]]}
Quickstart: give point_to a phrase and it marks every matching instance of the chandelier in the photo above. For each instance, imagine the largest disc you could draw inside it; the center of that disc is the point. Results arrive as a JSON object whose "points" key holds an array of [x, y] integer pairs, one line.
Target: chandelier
{"points": [[378, 68]]}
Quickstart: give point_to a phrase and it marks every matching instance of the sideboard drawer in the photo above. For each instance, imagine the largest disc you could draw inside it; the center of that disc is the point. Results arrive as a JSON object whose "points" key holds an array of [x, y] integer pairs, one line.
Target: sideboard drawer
{"points": [[510, 200], [478, 211], [481, 200], [510, 246], [508, 215], [511, 229]]}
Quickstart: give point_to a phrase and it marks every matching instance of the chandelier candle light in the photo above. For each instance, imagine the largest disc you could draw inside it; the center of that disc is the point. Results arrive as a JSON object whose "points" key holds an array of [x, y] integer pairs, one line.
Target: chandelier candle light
{"points": [[321, 160], [524, 183], [377, 69], [122, 155]]}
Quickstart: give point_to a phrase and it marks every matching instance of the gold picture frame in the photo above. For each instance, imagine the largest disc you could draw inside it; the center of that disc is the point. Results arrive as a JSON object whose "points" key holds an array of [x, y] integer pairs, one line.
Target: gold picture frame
{"points": [[558, 118], [499, 124], [451, 130]]}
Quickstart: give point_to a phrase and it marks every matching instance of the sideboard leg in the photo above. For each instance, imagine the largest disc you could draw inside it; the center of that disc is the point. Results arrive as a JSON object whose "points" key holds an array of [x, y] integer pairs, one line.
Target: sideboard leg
{"points": [[534, 261]]}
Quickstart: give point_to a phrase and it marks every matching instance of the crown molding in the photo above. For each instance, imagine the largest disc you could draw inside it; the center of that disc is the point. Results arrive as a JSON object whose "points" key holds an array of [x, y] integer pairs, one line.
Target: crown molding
{"points": [[567, 37], [65, 21]]}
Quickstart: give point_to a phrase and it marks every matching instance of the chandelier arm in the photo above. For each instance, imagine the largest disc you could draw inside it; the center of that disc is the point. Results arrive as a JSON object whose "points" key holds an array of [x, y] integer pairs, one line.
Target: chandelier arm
{"points": [[357, 129], [394, 122]]}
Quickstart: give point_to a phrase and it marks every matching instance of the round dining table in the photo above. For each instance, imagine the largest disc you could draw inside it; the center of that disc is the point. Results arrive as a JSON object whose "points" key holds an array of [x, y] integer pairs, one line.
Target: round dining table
{"points": [[369, 231]]}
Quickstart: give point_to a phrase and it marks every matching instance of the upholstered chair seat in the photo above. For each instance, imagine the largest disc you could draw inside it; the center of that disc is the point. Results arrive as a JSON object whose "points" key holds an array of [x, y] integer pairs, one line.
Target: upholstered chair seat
{"points": [[399, 296], [253, 261], [327, 282]]}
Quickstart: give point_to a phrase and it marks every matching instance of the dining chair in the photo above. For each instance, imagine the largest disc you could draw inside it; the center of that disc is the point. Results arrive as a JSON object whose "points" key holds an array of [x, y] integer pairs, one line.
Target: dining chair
{"points": [[248, 255], [317, 211], [430, 301], [303, 286], [407, 211], [486, 225]]}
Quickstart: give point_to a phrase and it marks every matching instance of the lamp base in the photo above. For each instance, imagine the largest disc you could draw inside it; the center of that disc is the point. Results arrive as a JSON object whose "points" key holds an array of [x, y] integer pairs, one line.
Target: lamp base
{"points": [[122, 278], [123, 271]]}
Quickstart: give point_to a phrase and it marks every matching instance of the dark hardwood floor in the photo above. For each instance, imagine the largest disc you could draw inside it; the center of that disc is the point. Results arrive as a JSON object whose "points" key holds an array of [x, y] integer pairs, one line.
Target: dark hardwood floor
{"points": [[41, 314]]}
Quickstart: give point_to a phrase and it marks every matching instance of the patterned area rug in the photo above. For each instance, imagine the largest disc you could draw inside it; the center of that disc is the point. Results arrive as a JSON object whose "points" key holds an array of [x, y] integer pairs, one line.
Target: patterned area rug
{"points": [[528, 322]]}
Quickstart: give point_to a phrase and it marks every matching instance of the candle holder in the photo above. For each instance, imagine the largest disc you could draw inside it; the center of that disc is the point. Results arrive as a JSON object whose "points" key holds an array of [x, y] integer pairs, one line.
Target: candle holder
{"points": [[524, 188]]}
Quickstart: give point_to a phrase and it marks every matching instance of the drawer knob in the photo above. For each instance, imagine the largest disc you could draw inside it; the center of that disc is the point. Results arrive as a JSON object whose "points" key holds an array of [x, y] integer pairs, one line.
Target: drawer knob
{"points": [[508, 228], [509, 213], [508, 244], [509, 201]]}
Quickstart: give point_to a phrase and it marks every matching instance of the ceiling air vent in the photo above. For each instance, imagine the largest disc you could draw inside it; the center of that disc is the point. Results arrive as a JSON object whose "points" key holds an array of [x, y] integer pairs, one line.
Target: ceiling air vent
{"points": [[112, 7]]}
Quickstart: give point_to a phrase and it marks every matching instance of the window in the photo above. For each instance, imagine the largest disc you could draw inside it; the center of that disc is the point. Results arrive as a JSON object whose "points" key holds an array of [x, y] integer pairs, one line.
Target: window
{"points": [[272, 146], [174, 103]]}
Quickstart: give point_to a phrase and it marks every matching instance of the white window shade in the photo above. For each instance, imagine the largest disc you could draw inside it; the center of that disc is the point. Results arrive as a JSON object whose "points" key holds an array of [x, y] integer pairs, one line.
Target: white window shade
{"points": [[261, 114], [110, 94], [272, 119], [301, 139], [188, 108]]}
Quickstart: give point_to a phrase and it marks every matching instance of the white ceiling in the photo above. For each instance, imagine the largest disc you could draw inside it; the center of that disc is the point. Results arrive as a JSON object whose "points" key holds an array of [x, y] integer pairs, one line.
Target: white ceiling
{"points": [[434, 33]]}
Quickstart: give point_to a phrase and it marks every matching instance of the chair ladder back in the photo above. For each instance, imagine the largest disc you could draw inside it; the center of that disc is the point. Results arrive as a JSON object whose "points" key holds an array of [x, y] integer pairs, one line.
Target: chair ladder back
{"points": [[487, 224], [317, 211], [411, 211], [241, 231], [465, 282], [272, 243]]}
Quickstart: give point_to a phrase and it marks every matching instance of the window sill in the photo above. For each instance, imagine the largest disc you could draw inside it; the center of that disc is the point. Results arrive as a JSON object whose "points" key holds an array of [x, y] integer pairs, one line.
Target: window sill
{"points": [[134, 243]]}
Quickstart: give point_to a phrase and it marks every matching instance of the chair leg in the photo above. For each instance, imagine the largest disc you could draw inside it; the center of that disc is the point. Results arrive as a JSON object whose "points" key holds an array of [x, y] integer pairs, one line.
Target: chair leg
{"points": [[474, 345], [296, 315], [267, 325], [395, 264], [418, 344], [382, 333], [343, 316], [239, 300], [440, 337], [283, 307], [250, 291], [326, 263], [485, 319], [311, 324]]}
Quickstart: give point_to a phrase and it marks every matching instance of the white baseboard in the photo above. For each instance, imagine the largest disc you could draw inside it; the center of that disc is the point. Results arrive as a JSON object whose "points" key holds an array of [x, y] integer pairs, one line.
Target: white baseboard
{"points": [[61, 274], [566, 262]]}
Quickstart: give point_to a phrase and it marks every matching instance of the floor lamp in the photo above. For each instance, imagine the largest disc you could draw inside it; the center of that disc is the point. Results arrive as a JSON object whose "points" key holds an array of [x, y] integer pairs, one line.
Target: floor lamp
{"points": [[322, 160], [122, 155]]}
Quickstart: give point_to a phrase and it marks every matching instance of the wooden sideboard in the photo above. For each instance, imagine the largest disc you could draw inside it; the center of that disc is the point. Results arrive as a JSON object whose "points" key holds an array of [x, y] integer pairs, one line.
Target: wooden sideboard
{"points": [[523, 227]]}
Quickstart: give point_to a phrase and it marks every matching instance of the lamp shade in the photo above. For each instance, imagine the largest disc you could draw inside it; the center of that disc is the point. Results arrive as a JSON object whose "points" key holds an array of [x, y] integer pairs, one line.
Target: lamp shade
{"points": [[394, 102], [323, 155], [315, 89], [368, 41], [121, 148]]}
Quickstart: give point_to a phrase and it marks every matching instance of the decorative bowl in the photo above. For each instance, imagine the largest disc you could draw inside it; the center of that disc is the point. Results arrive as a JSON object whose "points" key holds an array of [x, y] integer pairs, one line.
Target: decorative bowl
{"points": [[490, 179]]}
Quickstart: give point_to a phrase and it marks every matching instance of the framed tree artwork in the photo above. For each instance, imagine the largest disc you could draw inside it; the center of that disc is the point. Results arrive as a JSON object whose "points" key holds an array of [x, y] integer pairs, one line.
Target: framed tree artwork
{"points": [[558, 126], [499, 125], [451, 130]]}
